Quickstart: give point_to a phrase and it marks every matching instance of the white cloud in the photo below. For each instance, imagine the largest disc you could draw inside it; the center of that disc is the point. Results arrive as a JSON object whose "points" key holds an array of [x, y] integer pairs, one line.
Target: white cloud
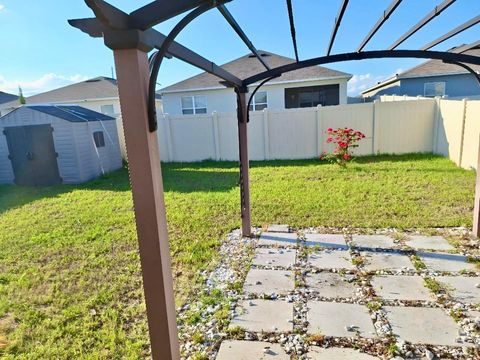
{"points": [[359, 83], [44, 83], [2, 7]]}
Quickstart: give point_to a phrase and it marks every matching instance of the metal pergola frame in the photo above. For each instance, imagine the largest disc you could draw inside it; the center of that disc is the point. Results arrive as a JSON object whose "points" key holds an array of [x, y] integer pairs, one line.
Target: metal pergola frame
{"points": [[132, 37]]}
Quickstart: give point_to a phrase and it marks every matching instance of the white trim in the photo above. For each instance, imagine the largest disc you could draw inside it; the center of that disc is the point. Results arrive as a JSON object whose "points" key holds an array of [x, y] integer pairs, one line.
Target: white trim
{"points": [[255, 84]]}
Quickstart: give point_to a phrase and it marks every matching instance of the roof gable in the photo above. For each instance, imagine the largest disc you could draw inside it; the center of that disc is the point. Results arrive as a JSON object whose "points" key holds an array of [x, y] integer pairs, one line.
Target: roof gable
{"points": [[249, 65]]}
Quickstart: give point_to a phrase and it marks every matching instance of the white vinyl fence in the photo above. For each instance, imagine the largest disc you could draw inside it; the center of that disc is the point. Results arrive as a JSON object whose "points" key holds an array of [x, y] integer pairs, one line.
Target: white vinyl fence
{"points": [[447, 127]]}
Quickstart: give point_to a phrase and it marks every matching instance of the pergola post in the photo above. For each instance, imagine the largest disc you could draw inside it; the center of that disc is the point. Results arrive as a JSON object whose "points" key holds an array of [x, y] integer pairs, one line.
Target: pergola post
{"points": [[476, 207], [242, 115], [147, 188]]}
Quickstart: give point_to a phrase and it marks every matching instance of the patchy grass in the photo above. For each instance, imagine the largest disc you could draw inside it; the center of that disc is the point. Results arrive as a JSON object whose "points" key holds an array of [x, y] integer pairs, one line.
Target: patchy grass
{"points": [[434, 285], [70, 284], [418, 263]]}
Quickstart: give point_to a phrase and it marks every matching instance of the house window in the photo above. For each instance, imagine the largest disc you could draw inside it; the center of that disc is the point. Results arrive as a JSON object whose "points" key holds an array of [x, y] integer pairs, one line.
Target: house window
{"points": [[192, 105], [259, 101], [311, 96], [99, 139], [107, 110], [432, 89]]}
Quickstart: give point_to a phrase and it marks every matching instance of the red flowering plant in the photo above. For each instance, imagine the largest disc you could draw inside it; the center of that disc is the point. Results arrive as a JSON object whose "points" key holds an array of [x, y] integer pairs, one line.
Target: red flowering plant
{"points": [[344, 139]]}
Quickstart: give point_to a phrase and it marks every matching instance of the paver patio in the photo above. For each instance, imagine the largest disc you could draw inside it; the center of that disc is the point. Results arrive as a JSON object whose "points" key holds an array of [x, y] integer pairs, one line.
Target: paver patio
{"points": [[248, 350], [329, 241], [264, 315], [274, 257], [330, 285], [337, 303], [373, 241], [463, 289], [318, 353], [278, 239], [260, 281], [401, 287], [445, 262], [385, 261], [348, 319], [328, 259], [423, 325], [419, 242]]}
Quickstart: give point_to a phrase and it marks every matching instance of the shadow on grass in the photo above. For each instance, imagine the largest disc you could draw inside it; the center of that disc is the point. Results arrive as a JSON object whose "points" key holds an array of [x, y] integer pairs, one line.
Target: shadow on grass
{"points": [[206, 176], [12, 196]]}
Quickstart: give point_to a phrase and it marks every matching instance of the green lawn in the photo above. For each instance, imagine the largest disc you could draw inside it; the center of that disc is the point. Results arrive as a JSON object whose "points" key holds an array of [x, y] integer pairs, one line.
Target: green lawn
{"points": [[70, 283]]}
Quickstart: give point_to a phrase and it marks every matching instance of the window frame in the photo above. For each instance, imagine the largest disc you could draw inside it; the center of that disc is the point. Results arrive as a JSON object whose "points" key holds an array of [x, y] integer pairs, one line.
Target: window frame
{"points": [[194, 109], [108, 114], [434, 82], [98, 139], [254, 104]]}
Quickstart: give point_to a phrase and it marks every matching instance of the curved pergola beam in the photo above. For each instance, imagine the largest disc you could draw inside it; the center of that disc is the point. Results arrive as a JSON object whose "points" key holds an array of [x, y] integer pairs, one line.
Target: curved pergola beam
{"points": [[378, 54]]}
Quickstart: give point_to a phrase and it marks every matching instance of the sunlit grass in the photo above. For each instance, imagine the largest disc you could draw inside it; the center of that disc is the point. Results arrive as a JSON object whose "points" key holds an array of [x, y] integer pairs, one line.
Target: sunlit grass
{"points": [[70, 284]]}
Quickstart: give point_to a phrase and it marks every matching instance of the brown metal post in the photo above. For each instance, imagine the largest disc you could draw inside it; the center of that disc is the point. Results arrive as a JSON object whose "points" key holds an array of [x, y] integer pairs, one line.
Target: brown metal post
{"points": [[147, 188], [476, 207], [242, 114]]}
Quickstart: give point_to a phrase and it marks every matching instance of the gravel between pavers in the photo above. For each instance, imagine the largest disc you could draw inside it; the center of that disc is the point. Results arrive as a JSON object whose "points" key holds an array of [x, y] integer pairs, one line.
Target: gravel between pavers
{"points": [[201, 339]]}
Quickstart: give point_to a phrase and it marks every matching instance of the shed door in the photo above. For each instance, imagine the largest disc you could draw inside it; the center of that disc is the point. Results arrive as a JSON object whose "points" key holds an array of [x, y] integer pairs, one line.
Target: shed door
{"points": [[33, 155]]}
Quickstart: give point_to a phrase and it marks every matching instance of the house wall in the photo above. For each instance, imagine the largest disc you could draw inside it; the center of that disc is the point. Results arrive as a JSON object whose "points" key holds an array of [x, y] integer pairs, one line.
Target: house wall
{"points": [[456, 86], [224, 100]]}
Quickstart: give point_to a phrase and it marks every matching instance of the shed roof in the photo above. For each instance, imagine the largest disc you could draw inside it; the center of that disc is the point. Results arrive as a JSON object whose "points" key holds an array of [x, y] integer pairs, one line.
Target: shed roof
{"points": [[249, 65], [72, 113], [6, 97]]}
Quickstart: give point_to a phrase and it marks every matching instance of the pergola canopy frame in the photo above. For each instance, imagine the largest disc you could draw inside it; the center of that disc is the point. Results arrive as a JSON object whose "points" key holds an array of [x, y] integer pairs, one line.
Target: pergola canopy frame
{"points": [[131, 37]]}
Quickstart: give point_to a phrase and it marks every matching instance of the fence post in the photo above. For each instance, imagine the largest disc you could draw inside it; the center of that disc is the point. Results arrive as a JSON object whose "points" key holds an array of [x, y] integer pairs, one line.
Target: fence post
{"points": [[216, 137], [436, 125], [266, 135], [375, 129], [464, 117], [476, 206], [319, 118], [169, 137]]}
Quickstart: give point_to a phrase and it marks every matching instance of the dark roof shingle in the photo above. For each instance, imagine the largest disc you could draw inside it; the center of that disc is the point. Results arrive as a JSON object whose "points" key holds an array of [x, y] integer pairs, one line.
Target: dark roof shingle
{"points": [[249, 65]]}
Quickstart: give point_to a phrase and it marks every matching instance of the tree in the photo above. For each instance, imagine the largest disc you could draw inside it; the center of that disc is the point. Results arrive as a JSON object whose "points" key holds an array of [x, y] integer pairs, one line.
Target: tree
{"points": [[21, 98]]}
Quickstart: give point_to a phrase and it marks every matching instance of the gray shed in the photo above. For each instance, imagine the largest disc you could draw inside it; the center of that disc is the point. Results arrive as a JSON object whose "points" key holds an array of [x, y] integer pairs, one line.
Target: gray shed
{"points": [[52, 144]]}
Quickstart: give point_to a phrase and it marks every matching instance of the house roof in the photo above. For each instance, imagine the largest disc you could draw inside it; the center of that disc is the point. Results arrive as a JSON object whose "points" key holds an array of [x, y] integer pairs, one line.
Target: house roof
{"points": [[437, 67], [6, 97], [249, 65], [430, 68], [72, 113]]}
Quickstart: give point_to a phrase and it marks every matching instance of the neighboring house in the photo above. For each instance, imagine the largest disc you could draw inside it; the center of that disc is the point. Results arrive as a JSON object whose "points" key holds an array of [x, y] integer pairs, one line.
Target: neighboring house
{"points": [[51, 144], [7, 98], [98, 94], [430, 79], [308, 87]]}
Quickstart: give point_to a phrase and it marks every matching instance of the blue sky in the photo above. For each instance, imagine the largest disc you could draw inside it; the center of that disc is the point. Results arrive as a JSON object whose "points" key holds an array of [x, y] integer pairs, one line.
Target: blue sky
{"points": [[40, 51]]}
